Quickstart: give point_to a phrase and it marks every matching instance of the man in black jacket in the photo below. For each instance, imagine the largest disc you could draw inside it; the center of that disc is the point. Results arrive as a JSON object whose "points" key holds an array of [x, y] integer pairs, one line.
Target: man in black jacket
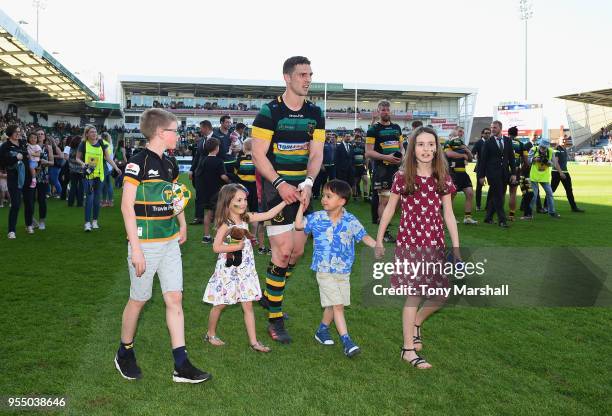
{"points": [[476, 149], [497, 165], [344, 160], [195, 172]]}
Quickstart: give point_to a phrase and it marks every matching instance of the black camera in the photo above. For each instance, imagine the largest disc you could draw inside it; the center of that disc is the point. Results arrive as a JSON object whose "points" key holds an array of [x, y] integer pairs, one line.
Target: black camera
{"points": [[88, 170], [543, 156]]}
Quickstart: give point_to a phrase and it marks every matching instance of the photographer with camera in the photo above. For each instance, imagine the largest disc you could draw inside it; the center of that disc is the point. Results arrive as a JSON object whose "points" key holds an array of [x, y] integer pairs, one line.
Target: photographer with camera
{"points": [[91, 155], [542, 158], [14, 158]]}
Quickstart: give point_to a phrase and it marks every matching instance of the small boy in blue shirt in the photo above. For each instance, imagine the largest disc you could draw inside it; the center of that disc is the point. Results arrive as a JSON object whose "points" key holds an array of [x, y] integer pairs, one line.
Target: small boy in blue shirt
{"points": [[334, 232]]}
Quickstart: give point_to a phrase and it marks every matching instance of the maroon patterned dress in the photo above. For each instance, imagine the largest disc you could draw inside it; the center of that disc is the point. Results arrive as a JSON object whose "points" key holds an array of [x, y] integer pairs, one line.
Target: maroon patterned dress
{"points": [[420, 238]]}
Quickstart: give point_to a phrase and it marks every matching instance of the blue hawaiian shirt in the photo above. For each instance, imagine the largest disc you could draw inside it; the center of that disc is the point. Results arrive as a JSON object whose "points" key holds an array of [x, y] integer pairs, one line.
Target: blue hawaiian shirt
{"points": [[334, 248]]}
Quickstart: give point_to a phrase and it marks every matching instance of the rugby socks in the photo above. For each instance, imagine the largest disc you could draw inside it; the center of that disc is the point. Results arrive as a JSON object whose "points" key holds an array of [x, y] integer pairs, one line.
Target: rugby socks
{"points": [[289, 272], [180, 355], [125, 349], [275, 286]]}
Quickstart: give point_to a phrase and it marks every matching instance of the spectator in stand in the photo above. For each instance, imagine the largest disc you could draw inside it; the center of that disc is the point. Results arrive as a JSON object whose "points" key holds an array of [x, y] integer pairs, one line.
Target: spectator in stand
{"points": [[13, 158], [91, 154], [107, 185], [76, 174]]}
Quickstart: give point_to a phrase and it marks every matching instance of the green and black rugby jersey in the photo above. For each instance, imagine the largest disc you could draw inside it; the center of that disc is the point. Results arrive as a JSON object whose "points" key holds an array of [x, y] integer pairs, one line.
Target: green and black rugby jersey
{"points": [[386, 139], [289, 133], [358, 155], [246, 168], [154, 177], [519, 150], [456, 145]]}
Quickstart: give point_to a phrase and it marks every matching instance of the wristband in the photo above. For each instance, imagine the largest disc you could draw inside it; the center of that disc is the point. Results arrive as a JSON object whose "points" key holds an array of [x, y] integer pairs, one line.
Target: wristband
{"points": [[307, 182], [276, 183]]}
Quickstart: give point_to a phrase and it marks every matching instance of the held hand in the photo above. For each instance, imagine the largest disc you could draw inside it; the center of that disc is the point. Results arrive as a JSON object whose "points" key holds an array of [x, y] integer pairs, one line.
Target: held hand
{"points": [[138, 261], [19, 156], [379, 250], [305, 197], [182, 234], [288, 193], [457, 254], [239, 246], [392, 159]]}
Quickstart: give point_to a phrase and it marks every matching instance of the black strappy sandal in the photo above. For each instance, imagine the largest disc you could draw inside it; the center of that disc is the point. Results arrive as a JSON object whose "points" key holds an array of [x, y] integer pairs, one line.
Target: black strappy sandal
{"points": [[415, 362], [417, 339]]}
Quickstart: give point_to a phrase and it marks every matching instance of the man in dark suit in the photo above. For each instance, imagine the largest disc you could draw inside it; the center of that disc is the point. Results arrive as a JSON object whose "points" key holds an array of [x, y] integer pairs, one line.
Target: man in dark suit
{"points": [[195, 174], [476, 151], [344, 160], [496, 164]]}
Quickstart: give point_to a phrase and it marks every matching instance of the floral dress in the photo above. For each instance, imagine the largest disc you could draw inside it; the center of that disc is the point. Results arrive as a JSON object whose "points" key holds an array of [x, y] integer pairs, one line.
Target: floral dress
{"points": [[420, 237], [234, 284]]}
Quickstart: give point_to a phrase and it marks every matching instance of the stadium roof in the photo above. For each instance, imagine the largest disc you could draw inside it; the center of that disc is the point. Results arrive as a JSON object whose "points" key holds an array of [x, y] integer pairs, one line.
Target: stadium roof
{"points": [[153, 85], [32, 77], [599, 97]]}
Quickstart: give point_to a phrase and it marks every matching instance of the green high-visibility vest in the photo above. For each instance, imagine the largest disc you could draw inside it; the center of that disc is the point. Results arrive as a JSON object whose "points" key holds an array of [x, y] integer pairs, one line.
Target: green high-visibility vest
{"points": [[541, 172]]}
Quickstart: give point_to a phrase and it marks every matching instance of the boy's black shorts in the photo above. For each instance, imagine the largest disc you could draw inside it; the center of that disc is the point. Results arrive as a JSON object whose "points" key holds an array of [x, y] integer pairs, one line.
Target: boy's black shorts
{"points": [[359, 172], [210, 201]]}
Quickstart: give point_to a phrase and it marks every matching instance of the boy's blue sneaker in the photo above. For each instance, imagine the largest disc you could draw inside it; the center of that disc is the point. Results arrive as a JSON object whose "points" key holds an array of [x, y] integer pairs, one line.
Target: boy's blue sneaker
{"points": [[350, 349], [322, 335]]}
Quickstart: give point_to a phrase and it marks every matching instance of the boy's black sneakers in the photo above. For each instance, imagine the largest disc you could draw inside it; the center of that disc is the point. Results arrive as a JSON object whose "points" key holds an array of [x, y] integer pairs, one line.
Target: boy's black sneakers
{"points": [[127, 367], [278, 332], [187, 373]]}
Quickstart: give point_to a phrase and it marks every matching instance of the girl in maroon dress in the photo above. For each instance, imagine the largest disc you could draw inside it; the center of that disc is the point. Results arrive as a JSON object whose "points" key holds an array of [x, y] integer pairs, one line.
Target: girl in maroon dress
{"points": [[424, 188]]}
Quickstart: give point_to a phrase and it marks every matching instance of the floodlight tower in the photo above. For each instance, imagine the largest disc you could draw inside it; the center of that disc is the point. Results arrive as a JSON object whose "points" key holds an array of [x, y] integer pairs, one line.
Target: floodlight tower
{"points": [[40, 5], [526, 13]]}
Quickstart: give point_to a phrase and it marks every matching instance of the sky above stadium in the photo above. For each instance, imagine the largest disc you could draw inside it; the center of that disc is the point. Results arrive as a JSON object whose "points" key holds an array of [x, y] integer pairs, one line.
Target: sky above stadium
{"points": [[473, 43]]}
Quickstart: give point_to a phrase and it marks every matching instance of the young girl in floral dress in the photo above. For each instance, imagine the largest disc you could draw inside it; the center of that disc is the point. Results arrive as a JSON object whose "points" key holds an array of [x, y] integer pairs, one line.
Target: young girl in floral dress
{"points": [[235, 284]]}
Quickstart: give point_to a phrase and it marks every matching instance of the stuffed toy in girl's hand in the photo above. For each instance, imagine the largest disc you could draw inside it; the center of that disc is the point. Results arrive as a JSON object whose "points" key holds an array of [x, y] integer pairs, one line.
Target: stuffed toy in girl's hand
{"points": [[235, 236]]}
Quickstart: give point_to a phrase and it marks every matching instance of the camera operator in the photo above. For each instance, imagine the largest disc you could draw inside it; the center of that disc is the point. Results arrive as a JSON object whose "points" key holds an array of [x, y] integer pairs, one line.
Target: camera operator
{"points": [[542, 158], [91, 155]]}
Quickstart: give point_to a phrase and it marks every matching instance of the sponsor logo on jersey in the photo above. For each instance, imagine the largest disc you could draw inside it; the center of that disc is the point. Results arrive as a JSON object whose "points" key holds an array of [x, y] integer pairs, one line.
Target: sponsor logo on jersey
{"points": [[132, 168]]}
